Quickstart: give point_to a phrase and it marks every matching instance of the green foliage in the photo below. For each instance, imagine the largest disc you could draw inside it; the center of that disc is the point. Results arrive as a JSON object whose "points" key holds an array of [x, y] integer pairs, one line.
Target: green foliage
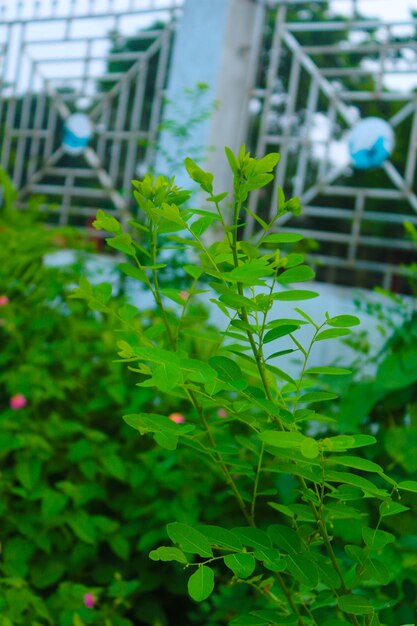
{"points": [[70, 524], [317, 545]]}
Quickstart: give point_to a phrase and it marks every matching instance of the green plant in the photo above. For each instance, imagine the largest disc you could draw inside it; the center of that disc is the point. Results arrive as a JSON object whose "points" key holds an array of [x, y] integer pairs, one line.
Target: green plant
{"points": [[298, 533], [182, 126], [72, 536]]}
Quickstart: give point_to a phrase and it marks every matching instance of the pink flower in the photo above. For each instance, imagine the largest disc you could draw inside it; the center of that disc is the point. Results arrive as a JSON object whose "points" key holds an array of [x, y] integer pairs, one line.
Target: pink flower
{"points": [[89, 600], [177, 418], [4, 300], [221, 413], [184, 295], [18, 401]]}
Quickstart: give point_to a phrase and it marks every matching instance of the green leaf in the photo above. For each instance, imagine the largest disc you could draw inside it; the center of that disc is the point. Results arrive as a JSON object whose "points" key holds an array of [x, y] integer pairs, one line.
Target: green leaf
{"points": [[167, 553], [274, 355], [114, 465], [294, 294], [120, 546], [193, 270], [256, 182], [83, 527], [46, 573], [218, 198], [201, 225], [246, 620], [122, 243], [232, 299], [328, 371], [376, 539], [356, 605], [332, 333], [28, 472], [296, 275], [283, 238], [280, 331], [227, 370], [221, 537], [317, 396], [253, 537], [107, 222], [154, 423], [271, 559], [204, 179], [266, 163], [391, 508], [249, 272], [303, 570], [251, 251], [127, 312], [371, 569], [171, 213], [282, 439], [356, 462], [190, 539], [310, 448], [132, 271], [280, 200], [166, 376], [174, 295], [343, 321], [293, 205], [232, 160], [285, 538], [327, 573], [201, 583], [356, 481], [256, 217], [308, 319], [103, 292], [53, 503], [242, 565], [408, 485], [169, 441], [340, 443]]}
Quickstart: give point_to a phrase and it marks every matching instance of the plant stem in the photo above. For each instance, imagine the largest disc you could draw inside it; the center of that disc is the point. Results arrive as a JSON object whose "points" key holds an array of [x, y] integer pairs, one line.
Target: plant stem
{"points": [[259, 363], [321, 524], [255, 486], [288, 595], [225, 469]]}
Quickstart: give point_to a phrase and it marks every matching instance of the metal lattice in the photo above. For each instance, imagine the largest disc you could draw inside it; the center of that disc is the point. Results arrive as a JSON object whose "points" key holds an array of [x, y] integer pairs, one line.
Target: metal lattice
{"points": [[108, 59], [331, 74]]}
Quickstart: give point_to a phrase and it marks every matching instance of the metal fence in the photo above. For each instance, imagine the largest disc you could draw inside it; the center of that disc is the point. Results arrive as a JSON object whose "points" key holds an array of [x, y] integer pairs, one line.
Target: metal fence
{"points": [[106, 60], [311, 77], [316, 79]]}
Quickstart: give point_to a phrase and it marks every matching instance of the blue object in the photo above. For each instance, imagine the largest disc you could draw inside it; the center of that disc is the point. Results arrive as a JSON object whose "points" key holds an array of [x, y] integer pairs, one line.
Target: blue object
{"points": [[77, 133], [371, 143]]}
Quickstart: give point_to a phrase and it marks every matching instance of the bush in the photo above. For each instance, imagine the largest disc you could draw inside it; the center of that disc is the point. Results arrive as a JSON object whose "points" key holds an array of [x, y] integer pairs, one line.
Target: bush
{"points": [[82, 500], [254, 506], [301, 531]]}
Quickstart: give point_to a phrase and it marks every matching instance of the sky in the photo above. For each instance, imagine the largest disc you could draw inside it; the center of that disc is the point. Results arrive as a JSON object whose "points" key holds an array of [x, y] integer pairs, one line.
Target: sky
{"points": [[398, 10], [383, 9]]}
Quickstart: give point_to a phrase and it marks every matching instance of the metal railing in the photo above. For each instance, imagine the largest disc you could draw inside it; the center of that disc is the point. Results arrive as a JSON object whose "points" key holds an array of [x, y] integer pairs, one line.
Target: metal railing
{"points": [[107, 59], [314, 81]]}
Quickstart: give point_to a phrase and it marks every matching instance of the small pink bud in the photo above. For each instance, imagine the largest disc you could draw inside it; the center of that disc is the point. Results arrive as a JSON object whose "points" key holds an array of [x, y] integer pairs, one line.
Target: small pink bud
{"points": [[177, 418], [221, 413], [2, 321], [89, 600], [184, 295], [18, 401], [4, 300]]}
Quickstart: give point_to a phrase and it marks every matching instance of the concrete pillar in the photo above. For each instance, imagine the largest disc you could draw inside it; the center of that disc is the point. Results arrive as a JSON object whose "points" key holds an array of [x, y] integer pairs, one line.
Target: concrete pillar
{"points": [[212, 46]]}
